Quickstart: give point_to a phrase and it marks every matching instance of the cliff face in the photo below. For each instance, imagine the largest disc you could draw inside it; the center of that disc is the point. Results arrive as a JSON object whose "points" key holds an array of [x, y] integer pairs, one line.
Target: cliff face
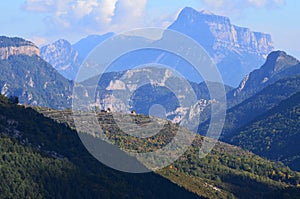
{"points": [[236, 50], [277, 66], [17, 46], [29, 77], [66, 58], [217, 32], [63, 57]]}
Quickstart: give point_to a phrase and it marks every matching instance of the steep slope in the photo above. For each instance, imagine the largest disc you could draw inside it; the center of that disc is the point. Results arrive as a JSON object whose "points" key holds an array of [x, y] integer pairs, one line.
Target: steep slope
{"points": [[261, 90], [25, 75], [34, 81], [256, 105], [277, 66], [226, 172], [275, 134], [260, 103], [63, 57], [44, 159], [235, 50]]}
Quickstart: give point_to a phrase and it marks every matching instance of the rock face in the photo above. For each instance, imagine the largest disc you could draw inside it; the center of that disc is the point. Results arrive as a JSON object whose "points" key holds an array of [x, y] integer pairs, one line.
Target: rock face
{"points": [[142, 90], [66, 58], [25, 75], [278, 65], [63, 57], [17, 46], [235, 50]]}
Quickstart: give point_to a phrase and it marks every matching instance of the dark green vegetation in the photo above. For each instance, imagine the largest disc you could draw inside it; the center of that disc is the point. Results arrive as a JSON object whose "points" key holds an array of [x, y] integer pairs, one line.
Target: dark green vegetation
{"points": [[15, 42], [227, 172], [276, 80], [253, 107], [275, 134], [41, 158], [256, 105], [34, 81]]}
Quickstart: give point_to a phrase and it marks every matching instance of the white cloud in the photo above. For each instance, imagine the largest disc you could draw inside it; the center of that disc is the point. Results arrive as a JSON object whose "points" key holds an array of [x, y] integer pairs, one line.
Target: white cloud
{"points": [[89, 16], [107, 10], [82, 8], [129, 14]]}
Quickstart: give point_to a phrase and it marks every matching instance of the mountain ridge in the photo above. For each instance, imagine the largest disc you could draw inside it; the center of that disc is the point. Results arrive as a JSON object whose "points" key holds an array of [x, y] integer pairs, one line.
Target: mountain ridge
{"points": [[235, 50], [31, 79], [278, 65], [17, 46]]}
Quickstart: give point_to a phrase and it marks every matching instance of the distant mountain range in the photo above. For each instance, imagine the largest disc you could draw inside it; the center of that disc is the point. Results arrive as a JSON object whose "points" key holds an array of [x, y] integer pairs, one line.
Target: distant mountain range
{"points": [[35, 82], [263, 117], [235, 50]]}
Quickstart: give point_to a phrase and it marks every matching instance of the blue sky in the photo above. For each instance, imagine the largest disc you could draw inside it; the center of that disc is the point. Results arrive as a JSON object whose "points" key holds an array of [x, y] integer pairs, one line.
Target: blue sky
{"points": [[44, 21]]}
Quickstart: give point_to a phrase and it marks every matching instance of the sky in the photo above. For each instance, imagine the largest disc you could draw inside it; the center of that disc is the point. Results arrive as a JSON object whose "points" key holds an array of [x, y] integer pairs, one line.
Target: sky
{"points": [[44, 21]]}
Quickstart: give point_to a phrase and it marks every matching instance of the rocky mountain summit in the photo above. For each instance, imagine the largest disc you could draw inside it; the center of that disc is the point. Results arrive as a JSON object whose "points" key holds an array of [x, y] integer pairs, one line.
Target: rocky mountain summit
{"points": [[277, 66], [217, 32], [63, 57], [66, 58], [236, 50]]}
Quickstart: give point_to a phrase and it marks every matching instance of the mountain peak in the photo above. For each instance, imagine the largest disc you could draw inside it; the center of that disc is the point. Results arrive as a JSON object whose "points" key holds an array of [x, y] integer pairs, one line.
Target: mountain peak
{"points": [[190, 11], [234, 49], [62, 42], [278, 65], [191, 14], [278, 60]]}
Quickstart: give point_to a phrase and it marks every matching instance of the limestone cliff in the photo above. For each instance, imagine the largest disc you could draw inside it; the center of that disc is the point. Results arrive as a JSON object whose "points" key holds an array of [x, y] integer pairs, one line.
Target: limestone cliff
{"points": [[17, 46]]}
